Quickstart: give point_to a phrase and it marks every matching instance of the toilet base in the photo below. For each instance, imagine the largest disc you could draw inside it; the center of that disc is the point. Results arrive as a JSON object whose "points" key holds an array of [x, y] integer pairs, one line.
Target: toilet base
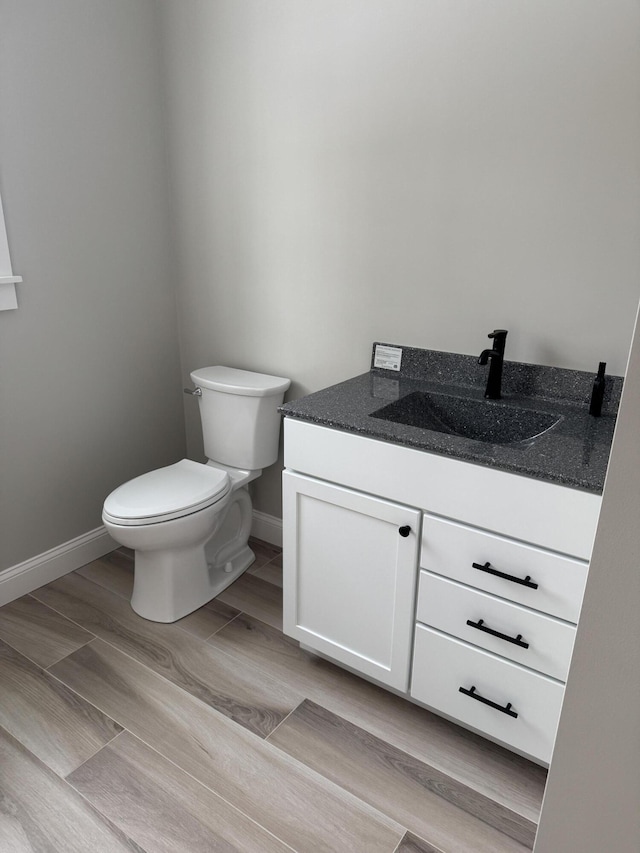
{"points": [[171, 583]]}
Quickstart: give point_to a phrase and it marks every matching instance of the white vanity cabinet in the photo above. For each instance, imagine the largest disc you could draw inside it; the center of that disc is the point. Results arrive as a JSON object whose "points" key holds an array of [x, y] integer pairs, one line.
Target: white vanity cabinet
{"points": [[471, 612]]}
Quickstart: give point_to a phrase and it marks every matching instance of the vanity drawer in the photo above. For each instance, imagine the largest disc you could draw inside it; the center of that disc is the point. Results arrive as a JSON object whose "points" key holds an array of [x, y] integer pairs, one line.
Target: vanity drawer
{"points": [[452, 549], [449, 607], [442, 665]]}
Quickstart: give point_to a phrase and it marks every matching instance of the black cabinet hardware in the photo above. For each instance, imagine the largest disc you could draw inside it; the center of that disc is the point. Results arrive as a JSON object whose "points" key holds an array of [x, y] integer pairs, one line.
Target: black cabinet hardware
{"points": [[472, 692], [517, 641], [405, 530], [487, 567], [597, 394]]}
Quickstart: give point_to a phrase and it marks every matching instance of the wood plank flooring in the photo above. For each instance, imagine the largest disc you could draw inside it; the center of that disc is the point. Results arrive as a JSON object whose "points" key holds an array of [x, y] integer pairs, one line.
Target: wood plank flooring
{"points": [[218, 733]]}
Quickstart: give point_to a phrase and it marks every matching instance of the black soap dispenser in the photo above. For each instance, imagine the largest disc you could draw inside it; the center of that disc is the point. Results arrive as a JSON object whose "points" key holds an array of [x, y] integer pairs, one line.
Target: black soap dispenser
{"points": [[595, 408]]}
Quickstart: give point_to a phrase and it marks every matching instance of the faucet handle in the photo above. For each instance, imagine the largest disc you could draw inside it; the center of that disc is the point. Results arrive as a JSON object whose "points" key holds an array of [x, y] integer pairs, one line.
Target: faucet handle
{"points": [[500, 338]]}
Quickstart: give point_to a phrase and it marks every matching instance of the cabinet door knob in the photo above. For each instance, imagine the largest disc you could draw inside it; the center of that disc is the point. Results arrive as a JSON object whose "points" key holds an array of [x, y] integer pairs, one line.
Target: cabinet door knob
{"points": [[405, 530]]}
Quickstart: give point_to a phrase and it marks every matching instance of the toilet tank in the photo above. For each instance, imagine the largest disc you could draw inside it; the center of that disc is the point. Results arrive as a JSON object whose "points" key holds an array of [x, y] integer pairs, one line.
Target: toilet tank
{"points": [[239, 413]]}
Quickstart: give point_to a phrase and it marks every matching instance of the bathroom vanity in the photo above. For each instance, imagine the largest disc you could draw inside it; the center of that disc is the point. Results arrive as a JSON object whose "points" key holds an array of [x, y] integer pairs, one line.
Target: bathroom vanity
{"points": [[448, 569]]}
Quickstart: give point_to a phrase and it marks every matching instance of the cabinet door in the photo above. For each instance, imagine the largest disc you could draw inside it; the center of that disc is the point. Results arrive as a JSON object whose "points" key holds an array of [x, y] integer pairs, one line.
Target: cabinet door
{"points": [[350, 576]]}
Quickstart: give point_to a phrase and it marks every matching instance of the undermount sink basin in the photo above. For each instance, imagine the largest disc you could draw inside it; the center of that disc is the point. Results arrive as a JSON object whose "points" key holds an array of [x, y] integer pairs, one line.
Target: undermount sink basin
{"points": [[480, 420]]}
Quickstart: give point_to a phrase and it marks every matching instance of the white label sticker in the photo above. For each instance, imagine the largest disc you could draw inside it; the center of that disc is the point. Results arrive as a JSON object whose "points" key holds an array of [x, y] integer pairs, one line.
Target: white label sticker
{"points": [[387, 357]]}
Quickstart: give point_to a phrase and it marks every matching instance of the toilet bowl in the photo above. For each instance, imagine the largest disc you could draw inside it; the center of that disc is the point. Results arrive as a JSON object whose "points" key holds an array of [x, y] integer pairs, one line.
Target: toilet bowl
{"points": [[189, 522]]}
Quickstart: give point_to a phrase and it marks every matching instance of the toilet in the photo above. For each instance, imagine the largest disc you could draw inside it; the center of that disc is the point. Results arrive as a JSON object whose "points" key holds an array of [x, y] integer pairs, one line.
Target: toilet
{"points": [[189, 523]]}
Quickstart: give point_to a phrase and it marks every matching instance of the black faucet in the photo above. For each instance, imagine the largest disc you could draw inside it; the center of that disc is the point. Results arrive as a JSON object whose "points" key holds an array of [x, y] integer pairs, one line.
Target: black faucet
{"points": [[496, 355]]}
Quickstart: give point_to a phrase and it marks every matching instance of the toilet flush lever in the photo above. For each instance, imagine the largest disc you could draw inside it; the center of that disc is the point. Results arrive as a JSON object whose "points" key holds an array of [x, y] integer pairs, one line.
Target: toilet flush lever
{"points": [[195, 392]]}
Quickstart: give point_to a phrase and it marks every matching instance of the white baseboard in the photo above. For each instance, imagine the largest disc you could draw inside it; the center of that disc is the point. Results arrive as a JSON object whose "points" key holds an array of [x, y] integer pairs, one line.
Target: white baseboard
{"points": [[267, 527], [38, 571], [47, 567]]}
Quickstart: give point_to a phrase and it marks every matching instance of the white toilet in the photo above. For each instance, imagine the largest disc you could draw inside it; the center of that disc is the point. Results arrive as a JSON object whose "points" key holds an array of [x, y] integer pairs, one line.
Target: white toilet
{"points": [[189, 523]]}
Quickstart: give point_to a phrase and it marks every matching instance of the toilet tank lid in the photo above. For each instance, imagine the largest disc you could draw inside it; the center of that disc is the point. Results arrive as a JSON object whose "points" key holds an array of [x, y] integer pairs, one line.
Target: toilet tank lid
{"points": [[231, 380]]}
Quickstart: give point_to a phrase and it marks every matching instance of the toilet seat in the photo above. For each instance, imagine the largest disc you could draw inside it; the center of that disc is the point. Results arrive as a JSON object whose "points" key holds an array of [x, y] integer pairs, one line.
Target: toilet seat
{"points": [[167, 493]]}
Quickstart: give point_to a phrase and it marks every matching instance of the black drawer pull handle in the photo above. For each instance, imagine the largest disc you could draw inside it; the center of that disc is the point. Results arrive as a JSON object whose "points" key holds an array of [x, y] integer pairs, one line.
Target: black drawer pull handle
{"points": [[487, 567], [405, 530], [517, 641], [472, 692]]}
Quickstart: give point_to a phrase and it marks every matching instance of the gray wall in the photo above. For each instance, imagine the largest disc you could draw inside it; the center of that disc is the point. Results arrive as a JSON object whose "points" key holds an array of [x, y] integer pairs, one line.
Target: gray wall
{"points": [[89, 366], [415, 171], [591, 799]]}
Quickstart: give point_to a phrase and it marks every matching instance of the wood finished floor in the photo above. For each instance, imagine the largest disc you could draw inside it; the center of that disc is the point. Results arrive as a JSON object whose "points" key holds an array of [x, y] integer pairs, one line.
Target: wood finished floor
{"points": [[218, 733]]}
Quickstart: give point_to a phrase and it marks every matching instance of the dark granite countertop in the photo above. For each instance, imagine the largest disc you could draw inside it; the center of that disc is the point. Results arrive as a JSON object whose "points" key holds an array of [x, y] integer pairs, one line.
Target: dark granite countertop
{"points": [[574, 452]]}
